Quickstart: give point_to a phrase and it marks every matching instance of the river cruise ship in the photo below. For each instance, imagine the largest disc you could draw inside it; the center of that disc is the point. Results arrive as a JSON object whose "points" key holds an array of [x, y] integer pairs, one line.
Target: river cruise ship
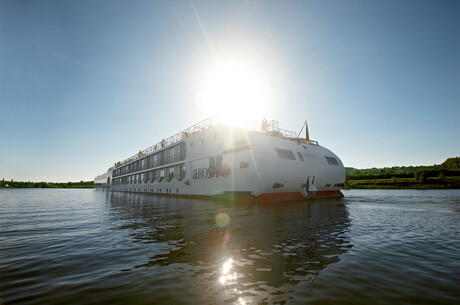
{"points": [[260, 161]]}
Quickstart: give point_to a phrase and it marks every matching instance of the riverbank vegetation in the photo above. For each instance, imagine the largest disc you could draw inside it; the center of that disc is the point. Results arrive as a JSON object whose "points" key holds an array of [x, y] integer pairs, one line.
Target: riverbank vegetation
{"points": [[442, 176], [24, 184]]}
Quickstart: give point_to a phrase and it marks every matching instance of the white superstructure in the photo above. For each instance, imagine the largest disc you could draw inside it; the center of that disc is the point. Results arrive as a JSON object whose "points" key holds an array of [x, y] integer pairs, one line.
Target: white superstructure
{"points": [[212, 159]]}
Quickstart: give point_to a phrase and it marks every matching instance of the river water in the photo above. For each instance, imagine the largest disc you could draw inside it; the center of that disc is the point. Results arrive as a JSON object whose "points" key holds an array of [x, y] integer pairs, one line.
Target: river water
{"points": [[70, 246]]}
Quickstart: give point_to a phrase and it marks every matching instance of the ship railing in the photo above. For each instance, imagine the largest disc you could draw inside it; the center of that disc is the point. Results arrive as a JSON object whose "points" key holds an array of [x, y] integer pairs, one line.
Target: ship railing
{"points": [[271, 128], [200, 126]]}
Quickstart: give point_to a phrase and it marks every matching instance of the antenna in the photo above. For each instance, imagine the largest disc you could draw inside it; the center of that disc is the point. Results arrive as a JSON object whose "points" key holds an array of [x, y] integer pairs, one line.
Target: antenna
{"points": [[307, 136]]}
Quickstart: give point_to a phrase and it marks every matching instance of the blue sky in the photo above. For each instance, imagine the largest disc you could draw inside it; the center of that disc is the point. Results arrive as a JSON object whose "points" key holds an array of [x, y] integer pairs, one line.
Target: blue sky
{"points": [[86, 83]]}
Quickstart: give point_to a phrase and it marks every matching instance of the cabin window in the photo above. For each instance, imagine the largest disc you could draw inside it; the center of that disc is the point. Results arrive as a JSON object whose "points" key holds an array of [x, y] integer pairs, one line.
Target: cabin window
{"points": [[331, 161], [162, 157], [212, 163], [162, 174], [219, 163], [175, 154], [182, 150], [285, 154], [167, 156], [170, 175], [300, 156], [181, 172]]}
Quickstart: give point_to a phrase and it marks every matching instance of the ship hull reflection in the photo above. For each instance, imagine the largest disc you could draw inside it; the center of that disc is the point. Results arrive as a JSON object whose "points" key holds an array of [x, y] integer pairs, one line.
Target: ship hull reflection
{"points": [[236, 252]]}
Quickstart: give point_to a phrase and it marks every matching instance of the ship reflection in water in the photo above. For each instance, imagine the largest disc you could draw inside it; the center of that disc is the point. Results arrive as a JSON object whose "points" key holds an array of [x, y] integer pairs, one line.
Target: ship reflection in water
{"points": [[238, 253]]}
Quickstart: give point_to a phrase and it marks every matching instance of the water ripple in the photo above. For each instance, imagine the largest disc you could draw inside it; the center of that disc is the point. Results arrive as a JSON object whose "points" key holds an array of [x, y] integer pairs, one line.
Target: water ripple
{"points": [[83, 246]]}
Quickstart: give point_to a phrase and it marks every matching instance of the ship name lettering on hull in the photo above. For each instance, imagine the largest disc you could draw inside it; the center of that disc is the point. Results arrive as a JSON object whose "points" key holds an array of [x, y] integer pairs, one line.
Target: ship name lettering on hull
{"points": [[204, 173]]}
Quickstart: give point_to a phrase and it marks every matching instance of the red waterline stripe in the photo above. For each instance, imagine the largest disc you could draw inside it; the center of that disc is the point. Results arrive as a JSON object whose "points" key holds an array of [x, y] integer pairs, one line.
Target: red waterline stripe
{"points": [[332, 193], [280, 196]]}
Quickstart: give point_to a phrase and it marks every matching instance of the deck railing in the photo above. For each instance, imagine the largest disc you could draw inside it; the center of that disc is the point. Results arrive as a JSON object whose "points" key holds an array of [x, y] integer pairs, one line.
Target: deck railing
{"points": [[264, 127]]}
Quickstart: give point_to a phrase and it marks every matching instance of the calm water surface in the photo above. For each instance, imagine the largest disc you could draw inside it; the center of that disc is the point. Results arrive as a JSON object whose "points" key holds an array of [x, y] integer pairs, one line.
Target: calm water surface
{"points": [[88, 247]]}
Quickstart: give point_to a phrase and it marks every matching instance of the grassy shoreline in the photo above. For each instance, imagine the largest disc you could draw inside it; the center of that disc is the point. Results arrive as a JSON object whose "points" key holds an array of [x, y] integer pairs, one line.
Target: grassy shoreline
{"points": [[404, 183], [442, 176]]}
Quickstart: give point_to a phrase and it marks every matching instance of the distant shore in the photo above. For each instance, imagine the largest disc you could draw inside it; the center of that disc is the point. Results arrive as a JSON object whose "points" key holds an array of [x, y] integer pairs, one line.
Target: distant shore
{"points": [[443, 176], [25, 184], [404, 183]]}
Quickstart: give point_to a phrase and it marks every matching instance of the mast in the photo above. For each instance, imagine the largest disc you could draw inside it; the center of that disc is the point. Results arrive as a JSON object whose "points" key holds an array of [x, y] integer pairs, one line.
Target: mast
{"points": [[307, 136]]}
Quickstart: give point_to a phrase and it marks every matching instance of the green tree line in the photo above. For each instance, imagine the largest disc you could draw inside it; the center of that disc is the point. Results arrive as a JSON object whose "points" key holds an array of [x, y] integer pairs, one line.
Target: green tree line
{"points": [[445, 175], [28, 184]]}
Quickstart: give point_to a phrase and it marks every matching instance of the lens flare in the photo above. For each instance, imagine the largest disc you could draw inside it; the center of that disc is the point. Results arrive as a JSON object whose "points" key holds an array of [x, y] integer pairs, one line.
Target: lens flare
{"points": [[222, 219]]}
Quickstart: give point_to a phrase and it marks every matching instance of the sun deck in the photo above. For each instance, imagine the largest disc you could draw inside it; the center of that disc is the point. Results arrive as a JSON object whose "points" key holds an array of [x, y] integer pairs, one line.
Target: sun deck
{"points": [[271, 128]]}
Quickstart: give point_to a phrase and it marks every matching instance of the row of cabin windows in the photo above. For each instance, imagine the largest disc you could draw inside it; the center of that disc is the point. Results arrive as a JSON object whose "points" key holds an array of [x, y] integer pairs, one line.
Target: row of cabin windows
{"points": [[169, 173], [289, 155], [164, 157], [158, 190]]}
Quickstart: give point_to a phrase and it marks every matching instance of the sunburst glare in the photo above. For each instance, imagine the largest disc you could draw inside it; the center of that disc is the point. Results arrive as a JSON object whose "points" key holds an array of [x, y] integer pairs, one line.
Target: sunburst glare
{"points": [[234, 90]]}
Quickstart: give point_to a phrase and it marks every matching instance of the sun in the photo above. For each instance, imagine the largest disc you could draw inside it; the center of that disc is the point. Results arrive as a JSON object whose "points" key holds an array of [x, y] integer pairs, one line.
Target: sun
{"points": [[235, 91]]}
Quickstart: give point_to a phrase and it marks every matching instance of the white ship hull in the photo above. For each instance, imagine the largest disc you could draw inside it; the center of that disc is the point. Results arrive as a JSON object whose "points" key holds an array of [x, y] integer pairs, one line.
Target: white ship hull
{"points": [[224, 160]]}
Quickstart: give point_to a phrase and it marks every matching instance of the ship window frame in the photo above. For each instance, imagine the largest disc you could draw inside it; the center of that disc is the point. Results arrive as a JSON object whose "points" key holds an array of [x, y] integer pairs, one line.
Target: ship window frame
{"points": [[331, 160], [285, 154], [162, 174], [182, 172], [169, 174], [212, 163]]}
